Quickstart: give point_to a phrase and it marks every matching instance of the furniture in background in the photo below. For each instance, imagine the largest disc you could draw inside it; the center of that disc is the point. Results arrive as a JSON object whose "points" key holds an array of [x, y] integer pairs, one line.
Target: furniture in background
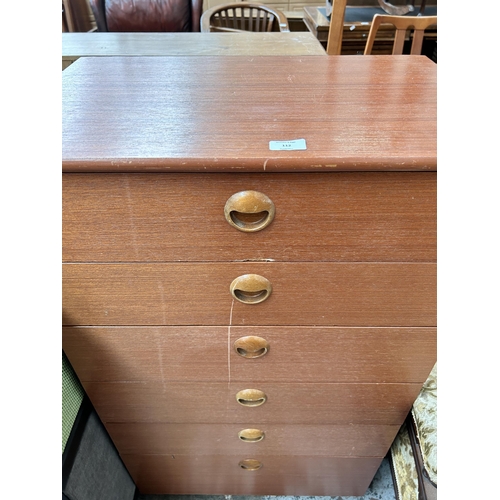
{"points": [[147, 15], [336, 27], [414, 451], [243, 16], [296, 6], [91, 467], [401, 10], [76, 45], [77, 16], [417, 24], [249, 277], [72, 397], [357, 22]]}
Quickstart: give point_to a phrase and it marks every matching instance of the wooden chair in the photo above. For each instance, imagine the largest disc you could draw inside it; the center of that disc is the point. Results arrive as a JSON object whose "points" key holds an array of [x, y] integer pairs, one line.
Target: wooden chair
{"points": [[402, 24], [147, 15], [334, 44], [243, 16]]}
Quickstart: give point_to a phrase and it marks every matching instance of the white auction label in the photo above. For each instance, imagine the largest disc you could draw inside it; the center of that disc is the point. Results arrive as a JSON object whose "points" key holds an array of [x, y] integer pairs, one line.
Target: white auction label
{"points": [[287, 145]]}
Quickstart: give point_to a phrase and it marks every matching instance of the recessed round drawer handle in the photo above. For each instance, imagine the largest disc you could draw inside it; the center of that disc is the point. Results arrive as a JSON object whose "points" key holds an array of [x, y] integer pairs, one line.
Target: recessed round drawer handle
{"points": [[251, 347], [251, 288], [251, 397], [249, 211], [251, 435], [250, 464]]}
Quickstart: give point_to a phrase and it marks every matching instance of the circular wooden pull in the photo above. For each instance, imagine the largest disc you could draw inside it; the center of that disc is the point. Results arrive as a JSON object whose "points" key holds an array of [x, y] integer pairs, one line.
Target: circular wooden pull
{"points": [[251, 288], [251, 435], [251, 397], [251, 347], [250, 464], [249, 211]]}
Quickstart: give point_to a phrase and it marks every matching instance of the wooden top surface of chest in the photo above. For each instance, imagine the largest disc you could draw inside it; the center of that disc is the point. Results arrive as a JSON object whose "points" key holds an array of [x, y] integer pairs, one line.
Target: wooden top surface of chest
{"points": [[215, 114]]}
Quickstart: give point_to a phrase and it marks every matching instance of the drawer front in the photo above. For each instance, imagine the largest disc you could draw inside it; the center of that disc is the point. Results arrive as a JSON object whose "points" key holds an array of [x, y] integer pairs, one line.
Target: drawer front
{"points": [[283, 354], [361, 217], [271, 439], [199, 294], [222, 475], [215, 402]]}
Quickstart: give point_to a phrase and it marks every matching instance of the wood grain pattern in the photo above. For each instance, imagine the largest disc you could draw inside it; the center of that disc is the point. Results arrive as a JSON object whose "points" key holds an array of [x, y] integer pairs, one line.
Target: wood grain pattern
{"points": [[328, 354], [418, 25], [221, 439], [327, 294], [278, 476], [370, 216], [288, 403], [355, 113], [76, 45], [150, 158]]}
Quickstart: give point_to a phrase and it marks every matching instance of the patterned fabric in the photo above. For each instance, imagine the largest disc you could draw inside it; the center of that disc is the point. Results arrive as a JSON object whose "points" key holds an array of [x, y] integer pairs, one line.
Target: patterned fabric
{"points": [[425, 415], [72, 397], [405, 470]]}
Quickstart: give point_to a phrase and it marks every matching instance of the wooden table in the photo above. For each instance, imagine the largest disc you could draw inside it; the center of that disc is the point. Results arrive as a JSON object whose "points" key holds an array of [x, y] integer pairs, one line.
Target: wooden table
{"points": [[355, 32], [75, 45], [249, 277]]}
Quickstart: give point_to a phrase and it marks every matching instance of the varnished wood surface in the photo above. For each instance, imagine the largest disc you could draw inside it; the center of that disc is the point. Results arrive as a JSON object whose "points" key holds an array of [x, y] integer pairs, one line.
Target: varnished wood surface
{"points": [[287, 403], [143, 113], [222, 439], [295, 354], [279, 475], [338, 294], [76, 45], [344, 216]]}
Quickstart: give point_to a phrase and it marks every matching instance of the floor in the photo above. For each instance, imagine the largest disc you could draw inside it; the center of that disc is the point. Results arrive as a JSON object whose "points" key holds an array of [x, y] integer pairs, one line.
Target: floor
{"points": [[382, 488]]}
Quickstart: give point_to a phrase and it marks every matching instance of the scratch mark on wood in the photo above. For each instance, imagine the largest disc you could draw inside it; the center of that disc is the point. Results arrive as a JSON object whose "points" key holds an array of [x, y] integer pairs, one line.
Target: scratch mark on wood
{"points": [[229, 344], [160, 360]]}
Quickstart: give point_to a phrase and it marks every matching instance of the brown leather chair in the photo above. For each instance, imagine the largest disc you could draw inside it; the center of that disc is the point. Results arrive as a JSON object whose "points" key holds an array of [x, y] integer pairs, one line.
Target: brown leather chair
{"points": [[147, 15]]}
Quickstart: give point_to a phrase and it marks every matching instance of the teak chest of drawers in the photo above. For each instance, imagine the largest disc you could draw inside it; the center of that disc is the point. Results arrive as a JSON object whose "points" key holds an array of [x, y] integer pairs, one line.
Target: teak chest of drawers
{"points": [[250, 321]]}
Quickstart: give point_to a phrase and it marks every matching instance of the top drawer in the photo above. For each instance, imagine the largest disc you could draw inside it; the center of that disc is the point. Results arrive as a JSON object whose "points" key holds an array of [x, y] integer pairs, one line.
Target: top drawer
{"points": [[358, 216]]}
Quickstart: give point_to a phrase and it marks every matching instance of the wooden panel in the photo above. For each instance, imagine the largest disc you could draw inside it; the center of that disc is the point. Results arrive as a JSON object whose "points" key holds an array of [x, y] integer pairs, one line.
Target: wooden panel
{"points": [[222, 439], [370, 216], [198, 294], [278, 476], [123, 114], [215, 402], [296, 354], [76, 45]]}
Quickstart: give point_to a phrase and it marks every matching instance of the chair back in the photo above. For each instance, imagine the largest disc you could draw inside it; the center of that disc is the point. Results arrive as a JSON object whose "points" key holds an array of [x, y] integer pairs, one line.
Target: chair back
{"points": [[402, 24], [147, 15], [243, 16]]}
